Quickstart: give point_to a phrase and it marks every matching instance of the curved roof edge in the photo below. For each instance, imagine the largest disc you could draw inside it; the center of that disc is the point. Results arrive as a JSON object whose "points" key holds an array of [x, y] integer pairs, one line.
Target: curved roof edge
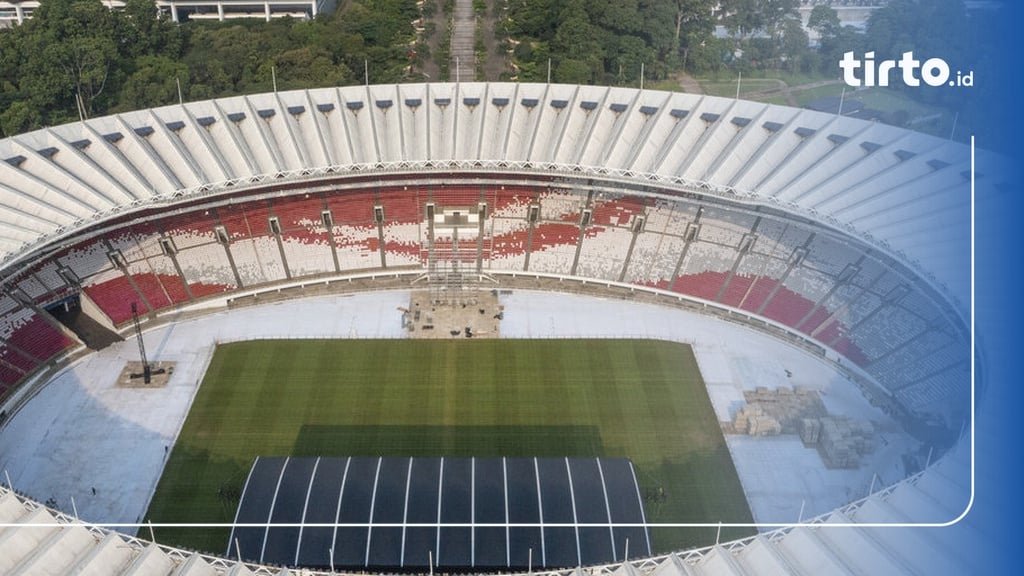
{"points": [[861, 537], [901, 191]]}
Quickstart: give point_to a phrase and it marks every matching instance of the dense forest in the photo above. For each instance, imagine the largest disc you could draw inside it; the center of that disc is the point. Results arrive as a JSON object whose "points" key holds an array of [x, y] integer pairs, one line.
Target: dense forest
{"points": [[78, 58]]}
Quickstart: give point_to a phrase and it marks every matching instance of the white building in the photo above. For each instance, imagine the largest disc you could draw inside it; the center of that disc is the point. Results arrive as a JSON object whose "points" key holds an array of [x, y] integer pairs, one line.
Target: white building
{"points": [[16, 12]]}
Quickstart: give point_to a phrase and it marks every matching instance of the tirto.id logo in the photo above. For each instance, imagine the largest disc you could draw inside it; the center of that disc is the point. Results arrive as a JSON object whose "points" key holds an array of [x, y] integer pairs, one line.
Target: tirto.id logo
{"points": [[933, 71]]}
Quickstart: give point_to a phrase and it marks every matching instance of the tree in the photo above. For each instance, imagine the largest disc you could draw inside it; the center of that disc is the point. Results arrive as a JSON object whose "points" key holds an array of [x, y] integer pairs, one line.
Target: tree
{"points": [[695, 24], [309, 67], [824, 21], [794, 46], [746, 18], [18, 117], [576, 37], [571, 71], [154, 83]]}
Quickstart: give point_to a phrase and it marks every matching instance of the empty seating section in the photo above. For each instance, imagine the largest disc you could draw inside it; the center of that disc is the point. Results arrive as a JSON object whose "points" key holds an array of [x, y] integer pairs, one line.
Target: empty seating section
{"points": [[47, 274], [616, 211], [550, 235], [18, 361], [190, 229], [7, 304], [758, 293], [13, 365], [300, 214], [829, 256], [404, 206], [711, 231], [672, 217], [787, 307], [736, 290], [233, 219], [887, 283], [778, 240], [508, 225], [257, 260], [919, 304], [849, 320], [112, 292], [553, 258], [813, 320], [604, 253], [939, 388], [307, 257], [206, 269], [137, 243], [860, 306], [32, 288], [946, 359], [701, 285], [755, 264], [560, 205], [352, 207], [26, 331], [654, 257], [405, 241], [257, 218], [450, 196], [725, 227], [174, 287], [510, 202], [86, 260], [305, 241], [358, 246], [509, 236], [706, 256], [354, 231], [150, 287], [808, 283], [9, 375], [404, 212], [897, 367], [885, 330]]}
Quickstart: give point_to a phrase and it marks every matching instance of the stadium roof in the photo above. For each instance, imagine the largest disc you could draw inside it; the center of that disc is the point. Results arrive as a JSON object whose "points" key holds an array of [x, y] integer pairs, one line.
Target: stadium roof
{"points": [[905, 192]]}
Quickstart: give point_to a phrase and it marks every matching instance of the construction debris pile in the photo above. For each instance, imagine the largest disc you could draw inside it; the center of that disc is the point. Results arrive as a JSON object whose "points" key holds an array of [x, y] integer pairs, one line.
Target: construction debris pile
{"points": [[840, 440], [771, 412]]}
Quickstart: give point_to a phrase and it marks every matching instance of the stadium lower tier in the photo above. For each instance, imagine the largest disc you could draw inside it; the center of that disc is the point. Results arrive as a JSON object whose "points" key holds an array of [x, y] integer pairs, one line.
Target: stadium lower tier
{"points": [[827, 287]]}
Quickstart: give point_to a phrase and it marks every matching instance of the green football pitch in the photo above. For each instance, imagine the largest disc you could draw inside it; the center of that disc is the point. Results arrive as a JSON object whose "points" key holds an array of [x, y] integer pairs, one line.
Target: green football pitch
{"points": [[640, 399]]}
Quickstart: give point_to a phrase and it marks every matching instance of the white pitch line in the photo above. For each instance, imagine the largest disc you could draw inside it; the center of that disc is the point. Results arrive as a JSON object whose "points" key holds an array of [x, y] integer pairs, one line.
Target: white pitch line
{"points": [[273, 503], [305, 507], [239, 509], [373, 502]]}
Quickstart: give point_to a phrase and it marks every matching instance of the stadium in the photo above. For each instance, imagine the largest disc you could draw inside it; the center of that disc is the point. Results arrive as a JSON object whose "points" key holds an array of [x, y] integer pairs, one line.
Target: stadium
{"points": [[796, 253]]}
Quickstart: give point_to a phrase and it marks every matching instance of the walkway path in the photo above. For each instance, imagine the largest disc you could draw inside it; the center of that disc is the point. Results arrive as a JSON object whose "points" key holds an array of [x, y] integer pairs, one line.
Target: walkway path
{"points": [[689, 83], [463, 57]]}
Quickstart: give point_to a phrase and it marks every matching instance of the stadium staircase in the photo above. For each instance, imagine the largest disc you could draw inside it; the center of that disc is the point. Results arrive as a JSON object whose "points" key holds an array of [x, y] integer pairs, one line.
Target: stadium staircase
{"points": [[38, 540]]}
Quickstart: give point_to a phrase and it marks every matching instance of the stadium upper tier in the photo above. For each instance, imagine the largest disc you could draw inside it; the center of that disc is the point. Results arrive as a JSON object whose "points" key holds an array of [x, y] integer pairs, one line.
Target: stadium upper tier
{"points": [[834, 230], [905, 192]]}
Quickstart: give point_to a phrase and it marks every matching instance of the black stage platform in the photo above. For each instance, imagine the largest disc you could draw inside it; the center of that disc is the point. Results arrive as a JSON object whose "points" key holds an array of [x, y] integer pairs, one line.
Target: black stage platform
{"points": [[459, 513]]}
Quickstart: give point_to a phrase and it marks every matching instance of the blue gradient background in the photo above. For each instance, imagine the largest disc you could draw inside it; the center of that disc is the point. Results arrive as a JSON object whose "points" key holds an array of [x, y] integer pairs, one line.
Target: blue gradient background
{"points": [[998, 90], [998, 291]]}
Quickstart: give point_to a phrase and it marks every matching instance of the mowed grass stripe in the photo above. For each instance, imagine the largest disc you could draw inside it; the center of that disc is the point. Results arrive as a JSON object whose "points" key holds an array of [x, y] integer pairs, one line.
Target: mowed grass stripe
{"points": [[636, 398]]}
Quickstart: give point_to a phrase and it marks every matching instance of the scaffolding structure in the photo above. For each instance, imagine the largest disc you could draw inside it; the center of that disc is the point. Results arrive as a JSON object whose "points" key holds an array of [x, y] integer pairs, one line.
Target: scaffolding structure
{"points": [[454, 242]]}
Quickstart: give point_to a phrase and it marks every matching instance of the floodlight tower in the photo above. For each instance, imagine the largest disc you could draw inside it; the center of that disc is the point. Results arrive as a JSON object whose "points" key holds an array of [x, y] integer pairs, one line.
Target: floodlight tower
{"points": [[146, 372]]}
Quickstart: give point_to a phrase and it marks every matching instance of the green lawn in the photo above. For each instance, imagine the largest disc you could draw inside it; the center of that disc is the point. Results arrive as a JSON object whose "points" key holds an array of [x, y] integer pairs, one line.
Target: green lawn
{"points": [[641, 399]]}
